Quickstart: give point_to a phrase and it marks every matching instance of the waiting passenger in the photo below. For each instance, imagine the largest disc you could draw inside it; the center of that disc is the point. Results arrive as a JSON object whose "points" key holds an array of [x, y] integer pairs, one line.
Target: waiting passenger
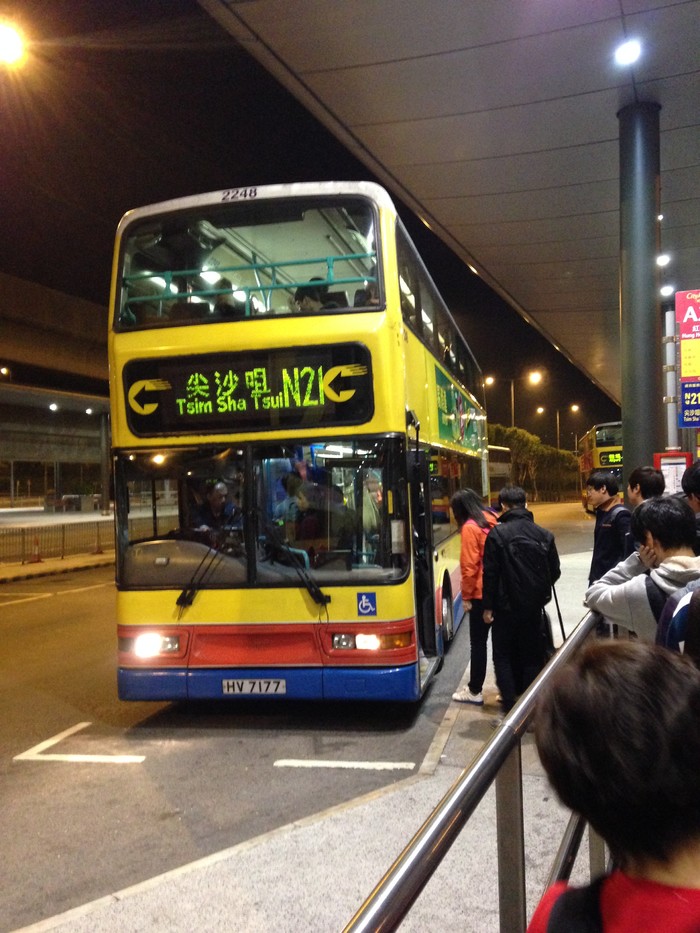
{"points": [[665, 526], [618, 733], [644, 483]]}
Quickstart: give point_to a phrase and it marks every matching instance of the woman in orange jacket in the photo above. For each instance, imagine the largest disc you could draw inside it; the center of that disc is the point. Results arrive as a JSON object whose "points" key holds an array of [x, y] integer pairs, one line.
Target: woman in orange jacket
{"points": [[474, 523]]}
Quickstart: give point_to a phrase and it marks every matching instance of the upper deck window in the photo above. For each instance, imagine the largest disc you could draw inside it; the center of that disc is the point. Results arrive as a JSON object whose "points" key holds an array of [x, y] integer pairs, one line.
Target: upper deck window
{"points": [[244, 260]]}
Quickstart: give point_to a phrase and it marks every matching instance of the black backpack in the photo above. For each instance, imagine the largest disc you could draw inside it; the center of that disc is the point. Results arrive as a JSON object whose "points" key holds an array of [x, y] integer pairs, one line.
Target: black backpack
{"points": [[526, 573]]}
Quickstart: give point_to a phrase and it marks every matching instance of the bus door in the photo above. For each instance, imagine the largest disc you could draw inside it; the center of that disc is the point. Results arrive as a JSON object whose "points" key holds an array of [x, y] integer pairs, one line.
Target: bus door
{"points": [[422, 545]]}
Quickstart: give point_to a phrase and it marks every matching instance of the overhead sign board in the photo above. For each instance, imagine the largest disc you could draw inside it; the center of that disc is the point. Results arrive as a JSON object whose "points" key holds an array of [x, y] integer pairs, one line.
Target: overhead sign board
{"points": [[688, 321]]}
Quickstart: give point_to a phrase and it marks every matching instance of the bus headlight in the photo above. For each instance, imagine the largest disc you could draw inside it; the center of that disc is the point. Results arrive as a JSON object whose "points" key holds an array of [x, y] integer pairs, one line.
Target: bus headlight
{"points": [[151, 644], [371, 642], [368, 642]]}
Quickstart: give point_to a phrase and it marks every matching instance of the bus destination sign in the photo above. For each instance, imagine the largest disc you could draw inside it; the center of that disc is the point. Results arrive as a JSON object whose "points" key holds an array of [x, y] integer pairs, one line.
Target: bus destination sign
{"points": [[263, 390]]}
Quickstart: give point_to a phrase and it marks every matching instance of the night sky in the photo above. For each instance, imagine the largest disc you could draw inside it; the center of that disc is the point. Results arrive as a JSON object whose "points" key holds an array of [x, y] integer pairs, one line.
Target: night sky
{"points": [[124, 103]]}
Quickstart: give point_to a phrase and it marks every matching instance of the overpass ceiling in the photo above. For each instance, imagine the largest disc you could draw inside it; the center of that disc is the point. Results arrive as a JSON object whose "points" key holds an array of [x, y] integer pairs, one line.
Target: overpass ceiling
{"points": [[496, 121]]}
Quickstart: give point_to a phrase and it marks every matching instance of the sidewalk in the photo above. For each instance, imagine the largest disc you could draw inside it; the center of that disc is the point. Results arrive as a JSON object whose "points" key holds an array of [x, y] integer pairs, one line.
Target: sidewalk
{"points": [[53, 565], [314, 874]]}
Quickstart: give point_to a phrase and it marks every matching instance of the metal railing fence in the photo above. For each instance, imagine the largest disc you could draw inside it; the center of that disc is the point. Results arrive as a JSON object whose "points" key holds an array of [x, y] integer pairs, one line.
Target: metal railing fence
{"points": [[498, 761], [34, 543]]}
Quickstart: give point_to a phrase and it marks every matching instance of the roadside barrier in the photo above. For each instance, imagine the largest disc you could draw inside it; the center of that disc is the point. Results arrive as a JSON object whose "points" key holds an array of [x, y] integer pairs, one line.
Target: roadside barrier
{"points": [[38, 543], [36, 556], [98, 547]]}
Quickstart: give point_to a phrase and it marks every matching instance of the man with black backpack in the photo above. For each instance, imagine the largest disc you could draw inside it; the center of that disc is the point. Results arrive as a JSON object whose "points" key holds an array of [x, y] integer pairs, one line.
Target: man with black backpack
{"points": [[520, 565]]}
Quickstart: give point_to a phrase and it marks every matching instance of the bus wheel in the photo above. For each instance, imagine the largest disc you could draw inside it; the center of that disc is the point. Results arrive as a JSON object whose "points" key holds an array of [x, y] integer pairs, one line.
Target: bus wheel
{"points": [[448, 622]]}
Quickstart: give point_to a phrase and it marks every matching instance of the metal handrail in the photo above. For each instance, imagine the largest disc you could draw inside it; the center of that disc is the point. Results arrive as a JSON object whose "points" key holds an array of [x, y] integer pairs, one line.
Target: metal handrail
{"points": [[394, 895]]}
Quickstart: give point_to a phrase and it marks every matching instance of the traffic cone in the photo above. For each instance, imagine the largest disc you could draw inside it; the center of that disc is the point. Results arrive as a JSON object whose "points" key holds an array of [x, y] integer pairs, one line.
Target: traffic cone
{"points": [[36, 556], [98, 548]]}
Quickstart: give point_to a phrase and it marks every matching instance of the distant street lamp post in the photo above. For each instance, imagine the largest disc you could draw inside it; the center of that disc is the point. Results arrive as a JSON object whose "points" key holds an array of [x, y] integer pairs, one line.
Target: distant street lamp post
{"points": [[573, 408], [534, 378]]}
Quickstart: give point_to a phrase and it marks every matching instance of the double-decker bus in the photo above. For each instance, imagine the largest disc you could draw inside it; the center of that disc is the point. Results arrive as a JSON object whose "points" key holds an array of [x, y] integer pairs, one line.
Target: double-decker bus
{"points": [[500, 469], [292, 407], [600, 448]]}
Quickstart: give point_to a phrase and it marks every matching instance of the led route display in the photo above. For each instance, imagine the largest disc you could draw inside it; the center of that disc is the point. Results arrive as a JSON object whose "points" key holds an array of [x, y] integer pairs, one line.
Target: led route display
{"points": [[252, 391]]}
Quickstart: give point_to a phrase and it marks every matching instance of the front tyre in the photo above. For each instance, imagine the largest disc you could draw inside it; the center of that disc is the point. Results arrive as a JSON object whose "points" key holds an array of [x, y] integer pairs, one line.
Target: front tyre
{"points": [[447, 613]]}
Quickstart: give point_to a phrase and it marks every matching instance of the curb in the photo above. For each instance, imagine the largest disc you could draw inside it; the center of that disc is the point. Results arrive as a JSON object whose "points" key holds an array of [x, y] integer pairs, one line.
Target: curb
{"points": [[22, 573]]}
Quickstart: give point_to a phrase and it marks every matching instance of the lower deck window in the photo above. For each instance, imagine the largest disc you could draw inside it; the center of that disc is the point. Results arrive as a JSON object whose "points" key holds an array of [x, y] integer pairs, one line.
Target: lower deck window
{"points": [[332, 511]]}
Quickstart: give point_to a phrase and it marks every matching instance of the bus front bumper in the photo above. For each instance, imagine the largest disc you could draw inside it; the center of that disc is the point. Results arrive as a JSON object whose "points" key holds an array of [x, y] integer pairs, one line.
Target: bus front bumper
{"points": [[313, 683]]}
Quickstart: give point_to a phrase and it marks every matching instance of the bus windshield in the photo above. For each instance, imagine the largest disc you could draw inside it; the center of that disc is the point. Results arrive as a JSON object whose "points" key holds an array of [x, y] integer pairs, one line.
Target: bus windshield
{"points": [[258, 515], [247, 259]]}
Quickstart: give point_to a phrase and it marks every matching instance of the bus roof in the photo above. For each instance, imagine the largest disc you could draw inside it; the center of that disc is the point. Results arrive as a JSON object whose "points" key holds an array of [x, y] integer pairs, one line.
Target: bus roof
{"points": [[368, 189]]}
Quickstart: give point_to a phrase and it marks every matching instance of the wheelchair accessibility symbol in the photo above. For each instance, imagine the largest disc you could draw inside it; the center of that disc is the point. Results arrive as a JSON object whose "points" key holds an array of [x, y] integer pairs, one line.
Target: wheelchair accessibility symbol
{"points": [[367, 604]]}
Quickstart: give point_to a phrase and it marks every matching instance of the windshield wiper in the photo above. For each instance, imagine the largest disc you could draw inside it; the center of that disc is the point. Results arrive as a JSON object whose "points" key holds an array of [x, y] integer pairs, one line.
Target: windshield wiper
{"points": [[314, 590], [186, 597]]}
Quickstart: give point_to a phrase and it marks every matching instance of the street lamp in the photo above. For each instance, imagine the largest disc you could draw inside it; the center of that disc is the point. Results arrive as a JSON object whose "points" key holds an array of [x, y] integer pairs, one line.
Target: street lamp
{"points": [[534, 377], [573, 408], [12, 47]]}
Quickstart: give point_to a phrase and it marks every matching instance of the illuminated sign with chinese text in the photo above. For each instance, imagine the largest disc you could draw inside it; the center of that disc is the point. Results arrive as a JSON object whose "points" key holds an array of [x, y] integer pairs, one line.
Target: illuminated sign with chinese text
{"points": [[611, 459], [214, 393]]}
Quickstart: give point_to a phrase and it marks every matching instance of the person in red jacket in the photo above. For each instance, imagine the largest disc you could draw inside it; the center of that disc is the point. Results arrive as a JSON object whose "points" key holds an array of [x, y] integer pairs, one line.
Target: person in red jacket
{"points": [[618, 733], [474, 523]]}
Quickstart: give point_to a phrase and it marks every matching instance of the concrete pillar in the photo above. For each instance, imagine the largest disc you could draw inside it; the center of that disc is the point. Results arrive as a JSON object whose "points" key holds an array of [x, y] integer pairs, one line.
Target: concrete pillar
{"points": [[643, 418]]}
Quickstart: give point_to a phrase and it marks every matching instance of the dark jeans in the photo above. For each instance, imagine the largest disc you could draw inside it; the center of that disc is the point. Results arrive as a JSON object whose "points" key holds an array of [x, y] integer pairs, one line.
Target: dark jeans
{"points": [[518, 654], [478, 636]]}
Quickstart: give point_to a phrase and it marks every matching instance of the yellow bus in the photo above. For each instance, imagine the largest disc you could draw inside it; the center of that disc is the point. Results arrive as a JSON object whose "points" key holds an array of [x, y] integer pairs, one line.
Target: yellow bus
{"points": [[292, 407], [600, 448]]}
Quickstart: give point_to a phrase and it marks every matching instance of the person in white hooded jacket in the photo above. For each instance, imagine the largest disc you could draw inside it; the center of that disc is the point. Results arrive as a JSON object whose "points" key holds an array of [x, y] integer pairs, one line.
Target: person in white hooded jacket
{"points": [[665, 528]]}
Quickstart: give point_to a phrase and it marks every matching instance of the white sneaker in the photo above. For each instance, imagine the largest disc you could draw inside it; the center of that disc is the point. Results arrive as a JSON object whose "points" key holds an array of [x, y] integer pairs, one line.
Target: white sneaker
{"points": [[466, 696]]}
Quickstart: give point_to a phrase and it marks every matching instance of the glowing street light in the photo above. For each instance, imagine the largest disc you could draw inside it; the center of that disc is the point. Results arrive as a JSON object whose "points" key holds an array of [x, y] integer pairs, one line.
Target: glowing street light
{"points": [[534, 377], [12, 46], [572, 408]]}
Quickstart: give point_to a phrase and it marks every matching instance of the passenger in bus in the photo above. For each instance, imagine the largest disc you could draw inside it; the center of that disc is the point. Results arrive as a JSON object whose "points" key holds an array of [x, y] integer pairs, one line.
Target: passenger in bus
{"points": [[369, 295], [618, 733], [474, 523], [313, 297], [371, 502], [225, 305], [286, 510], [310, 514]]}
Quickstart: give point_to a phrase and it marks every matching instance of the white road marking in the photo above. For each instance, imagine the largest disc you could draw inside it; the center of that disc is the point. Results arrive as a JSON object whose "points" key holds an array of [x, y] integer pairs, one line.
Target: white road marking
{"points": [[29, 597], [361, 765], [24, 599], [84, 589], [36, 753]]}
